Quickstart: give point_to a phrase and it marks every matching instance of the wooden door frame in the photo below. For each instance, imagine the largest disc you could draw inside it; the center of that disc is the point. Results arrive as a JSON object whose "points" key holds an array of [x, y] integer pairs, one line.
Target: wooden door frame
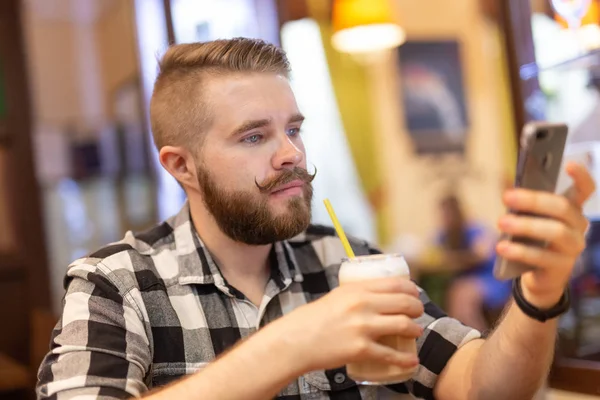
{"points": [[514, 17], [23, 190], [25, 267]]}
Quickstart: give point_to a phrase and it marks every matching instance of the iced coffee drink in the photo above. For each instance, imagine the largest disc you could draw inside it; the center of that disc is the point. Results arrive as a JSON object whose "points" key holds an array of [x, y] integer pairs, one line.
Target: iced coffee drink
{"points": [[373, 267]]}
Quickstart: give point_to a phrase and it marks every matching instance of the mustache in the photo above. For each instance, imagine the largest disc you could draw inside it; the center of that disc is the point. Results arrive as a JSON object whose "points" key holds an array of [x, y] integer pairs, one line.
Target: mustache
{"points": [[286, 176]]}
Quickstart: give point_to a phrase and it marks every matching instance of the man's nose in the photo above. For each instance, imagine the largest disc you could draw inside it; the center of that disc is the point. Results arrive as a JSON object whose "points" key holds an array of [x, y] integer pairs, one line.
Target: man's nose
{"points": [[288, 155]]}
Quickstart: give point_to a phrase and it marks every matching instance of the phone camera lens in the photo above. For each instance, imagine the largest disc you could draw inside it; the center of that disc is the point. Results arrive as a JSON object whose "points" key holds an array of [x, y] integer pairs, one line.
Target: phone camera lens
{"points": [[541, 135]]}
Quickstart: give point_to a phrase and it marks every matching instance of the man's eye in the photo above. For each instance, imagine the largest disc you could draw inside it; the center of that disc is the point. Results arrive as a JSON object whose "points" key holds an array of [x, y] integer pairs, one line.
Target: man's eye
{"points": [[293, 131], [252, 139]]}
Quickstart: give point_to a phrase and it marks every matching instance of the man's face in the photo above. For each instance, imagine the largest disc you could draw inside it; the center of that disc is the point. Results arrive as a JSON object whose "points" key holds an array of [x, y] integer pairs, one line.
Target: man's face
{"points": [[252, 165]]}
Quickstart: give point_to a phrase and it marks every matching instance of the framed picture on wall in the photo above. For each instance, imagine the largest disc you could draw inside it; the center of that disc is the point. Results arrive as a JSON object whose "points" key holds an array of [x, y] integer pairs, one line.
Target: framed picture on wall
{"points": [[433, 95]]}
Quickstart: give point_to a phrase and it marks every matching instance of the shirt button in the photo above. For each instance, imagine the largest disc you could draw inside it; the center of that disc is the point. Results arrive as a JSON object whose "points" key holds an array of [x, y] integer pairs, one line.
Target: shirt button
{"points": [[339, 378]]}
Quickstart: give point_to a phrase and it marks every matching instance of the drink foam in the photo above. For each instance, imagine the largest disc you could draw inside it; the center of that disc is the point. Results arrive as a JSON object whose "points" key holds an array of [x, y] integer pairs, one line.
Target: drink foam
{"points": [[372, 267]]}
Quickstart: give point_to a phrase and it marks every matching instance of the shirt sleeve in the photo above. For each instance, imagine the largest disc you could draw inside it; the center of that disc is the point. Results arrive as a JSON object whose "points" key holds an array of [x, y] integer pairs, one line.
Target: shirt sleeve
{"points": [[99, 348], [441, 338]]}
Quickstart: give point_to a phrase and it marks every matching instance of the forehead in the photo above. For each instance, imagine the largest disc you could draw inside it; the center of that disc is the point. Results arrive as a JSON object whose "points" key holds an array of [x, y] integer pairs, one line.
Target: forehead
{"points": [[237, 98]]}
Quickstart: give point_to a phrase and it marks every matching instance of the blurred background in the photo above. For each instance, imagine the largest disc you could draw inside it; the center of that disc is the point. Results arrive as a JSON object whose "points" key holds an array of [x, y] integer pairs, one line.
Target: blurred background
{"points": [[414, 111]]}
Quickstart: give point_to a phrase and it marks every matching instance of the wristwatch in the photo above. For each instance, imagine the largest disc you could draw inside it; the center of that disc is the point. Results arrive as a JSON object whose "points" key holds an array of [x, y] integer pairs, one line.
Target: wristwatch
{"points": [[532, 311]]}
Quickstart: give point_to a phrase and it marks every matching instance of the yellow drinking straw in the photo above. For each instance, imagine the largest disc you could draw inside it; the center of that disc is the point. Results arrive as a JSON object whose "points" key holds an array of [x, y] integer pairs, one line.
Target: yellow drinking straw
{"points": [[338, 229]]}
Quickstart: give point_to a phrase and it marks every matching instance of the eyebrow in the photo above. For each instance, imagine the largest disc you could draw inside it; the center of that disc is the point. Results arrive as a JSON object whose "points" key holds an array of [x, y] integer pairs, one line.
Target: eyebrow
{"points": [[261, 123], [249, 125], [296, 118]]}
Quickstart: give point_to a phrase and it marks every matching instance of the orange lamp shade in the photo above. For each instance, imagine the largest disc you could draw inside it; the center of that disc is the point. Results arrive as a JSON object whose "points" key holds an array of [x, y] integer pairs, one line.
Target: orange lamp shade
{"points": [[365, 25], [591, 16]]}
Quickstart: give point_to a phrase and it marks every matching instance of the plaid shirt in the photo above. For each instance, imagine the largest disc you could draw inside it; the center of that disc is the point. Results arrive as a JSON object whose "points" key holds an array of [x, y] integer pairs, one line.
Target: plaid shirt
{"points": [[146, 311]]}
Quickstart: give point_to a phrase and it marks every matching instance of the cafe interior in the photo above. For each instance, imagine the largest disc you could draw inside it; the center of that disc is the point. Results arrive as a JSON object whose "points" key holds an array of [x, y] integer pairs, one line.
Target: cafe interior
{"points": [[397, 120]]}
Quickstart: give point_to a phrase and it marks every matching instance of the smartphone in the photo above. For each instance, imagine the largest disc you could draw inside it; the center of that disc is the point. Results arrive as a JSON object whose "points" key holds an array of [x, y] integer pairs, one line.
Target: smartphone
{"points": [[538, 168]]}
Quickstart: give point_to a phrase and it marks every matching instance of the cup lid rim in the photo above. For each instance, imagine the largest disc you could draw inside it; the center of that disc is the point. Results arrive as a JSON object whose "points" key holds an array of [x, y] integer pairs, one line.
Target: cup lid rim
{"points": [[370, 257]]}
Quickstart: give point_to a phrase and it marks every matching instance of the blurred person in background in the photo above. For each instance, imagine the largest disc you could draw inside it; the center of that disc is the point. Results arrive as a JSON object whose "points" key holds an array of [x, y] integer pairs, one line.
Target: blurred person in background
{"points": [[468, 252], [236, 297]]}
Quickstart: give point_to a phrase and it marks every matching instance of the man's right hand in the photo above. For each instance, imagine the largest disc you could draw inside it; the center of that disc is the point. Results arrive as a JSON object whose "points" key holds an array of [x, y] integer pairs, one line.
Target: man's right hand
{"points": [[344, 325]]}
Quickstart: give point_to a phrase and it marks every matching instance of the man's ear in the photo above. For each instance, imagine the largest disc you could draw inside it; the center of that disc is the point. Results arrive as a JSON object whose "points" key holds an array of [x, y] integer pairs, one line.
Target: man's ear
{"points": [[180, 163]]}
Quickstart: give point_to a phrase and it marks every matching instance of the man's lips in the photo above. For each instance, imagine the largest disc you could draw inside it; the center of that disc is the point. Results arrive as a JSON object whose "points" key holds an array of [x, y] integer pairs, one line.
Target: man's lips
{"points": [[288, 186]]}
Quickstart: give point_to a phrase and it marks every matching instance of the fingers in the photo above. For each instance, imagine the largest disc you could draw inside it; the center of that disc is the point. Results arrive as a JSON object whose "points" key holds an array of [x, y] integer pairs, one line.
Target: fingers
{"points": [[378, 352], [583, 183], [384, 296], [535, 256], [391, 285], [399, 303], [566, 209], [561, 237], [546, 204], [395, 325]]}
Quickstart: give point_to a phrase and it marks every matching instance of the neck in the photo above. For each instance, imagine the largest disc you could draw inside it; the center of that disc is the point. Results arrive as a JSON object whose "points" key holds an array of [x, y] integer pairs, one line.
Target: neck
{"points": [[235, 259]]}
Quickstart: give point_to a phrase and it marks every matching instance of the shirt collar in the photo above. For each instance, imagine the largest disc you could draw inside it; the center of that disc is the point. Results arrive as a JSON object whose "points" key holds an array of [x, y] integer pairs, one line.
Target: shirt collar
{"points": [[196, 265]]}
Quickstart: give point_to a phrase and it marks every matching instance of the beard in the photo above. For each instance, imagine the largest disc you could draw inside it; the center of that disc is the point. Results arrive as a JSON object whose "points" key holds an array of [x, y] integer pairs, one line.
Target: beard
{"points": [[246, 217]]}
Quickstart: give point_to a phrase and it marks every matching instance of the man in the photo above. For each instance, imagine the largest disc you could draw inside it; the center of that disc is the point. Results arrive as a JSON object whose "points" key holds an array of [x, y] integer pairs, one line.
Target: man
{"points": [[238, 293]]}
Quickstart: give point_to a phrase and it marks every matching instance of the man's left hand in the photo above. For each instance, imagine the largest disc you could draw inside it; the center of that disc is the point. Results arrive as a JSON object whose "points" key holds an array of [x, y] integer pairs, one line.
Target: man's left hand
{"points": [[561, 224]]}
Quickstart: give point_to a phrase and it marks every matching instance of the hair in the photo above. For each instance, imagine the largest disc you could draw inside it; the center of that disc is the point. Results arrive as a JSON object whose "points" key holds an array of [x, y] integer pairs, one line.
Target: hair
{"points": [[454, 235], [178, 111]]}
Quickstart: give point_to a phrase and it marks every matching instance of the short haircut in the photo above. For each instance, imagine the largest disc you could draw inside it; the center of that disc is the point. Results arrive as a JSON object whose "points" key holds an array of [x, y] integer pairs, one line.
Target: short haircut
{"points": [[178, 112]]}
